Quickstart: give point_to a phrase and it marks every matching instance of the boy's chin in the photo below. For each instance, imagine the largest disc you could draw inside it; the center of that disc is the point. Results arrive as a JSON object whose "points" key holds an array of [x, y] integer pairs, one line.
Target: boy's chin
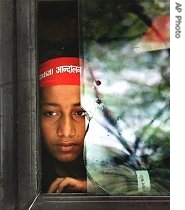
{"points": [[67, 158]]}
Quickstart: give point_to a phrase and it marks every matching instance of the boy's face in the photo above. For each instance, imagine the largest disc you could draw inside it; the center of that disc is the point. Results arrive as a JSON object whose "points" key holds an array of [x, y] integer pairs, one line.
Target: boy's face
{"points": [[62, 121]]}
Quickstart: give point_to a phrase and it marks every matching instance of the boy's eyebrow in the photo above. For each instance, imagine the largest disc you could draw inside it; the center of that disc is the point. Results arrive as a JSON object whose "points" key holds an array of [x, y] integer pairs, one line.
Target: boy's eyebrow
{"points": [[55, 104], [77, 104]]}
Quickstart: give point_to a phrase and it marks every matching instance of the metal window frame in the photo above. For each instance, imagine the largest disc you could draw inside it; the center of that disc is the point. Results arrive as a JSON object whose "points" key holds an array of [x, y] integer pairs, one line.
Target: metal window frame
{"points": [[20, 157], [7, 109]]}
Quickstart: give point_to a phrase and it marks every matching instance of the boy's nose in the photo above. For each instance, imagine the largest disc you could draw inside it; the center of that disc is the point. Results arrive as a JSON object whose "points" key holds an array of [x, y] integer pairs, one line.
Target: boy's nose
{"points": [[65, 127]]}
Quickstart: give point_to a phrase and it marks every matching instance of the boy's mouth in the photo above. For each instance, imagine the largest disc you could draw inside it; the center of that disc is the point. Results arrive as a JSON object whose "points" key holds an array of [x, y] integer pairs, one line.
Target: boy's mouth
{"points": [[66, 147]]}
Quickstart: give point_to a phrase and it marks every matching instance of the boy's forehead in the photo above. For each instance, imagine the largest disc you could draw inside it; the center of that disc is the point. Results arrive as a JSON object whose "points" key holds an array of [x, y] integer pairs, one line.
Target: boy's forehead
{"points": [[64, 93], [65, 89]]}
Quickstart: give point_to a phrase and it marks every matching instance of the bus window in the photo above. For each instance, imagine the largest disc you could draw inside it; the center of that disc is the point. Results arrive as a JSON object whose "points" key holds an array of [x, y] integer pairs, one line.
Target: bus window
{"points": [[119, 45]]}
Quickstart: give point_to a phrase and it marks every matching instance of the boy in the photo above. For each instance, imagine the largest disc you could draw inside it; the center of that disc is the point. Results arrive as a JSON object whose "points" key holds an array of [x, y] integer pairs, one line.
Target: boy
{"points": [[62, 122]]}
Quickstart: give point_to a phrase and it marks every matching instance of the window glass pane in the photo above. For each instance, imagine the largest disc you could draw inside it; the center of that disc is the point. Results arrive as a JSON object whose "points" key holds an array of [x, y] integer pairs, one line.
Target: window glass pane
{"points": [[126, 94]]}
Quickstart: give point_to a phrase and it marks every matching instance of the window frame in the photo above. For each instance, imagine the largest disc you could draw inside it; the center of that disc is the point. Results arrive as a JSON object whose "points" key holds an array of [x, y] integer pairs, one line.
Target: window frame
{"points": [[8, 140]]}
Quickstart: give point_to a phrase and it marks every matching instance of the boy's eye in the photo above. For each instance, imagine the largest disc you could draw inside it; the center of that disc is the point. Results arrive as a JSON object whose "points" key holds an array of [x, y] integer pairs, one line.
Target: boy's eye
{"points": [[80, 112], [51, 113]]}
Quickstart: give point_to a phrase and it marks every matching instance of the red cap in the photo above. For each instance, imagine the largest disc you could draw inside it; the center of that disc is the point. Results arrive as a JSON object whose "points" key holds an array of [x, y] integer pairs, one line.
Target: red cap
{"points": [[60, 71]]}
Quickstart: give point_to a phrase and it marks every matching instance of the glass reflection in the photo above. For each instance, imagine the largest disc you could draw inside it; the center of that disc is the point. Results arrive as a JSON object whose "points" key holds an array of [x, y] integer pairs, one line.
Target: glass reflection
{"points": [[126, 96]]}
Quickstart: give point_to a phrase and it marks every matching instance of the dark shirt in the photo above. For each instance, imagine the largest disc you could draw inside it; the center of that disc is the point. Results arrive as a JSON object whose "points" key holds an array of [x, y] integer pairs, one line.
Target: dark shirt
{"points": [[52, 169]]}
